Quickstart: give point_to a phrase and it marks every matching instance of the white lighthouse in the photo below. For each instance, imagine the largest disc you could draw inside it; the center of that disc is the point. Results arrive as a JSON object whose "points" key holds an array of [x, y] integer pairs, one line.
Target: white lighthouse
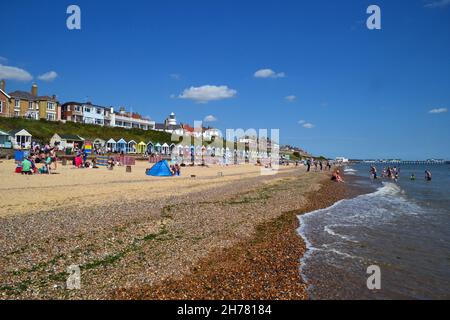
{"points": [[171, 120]]}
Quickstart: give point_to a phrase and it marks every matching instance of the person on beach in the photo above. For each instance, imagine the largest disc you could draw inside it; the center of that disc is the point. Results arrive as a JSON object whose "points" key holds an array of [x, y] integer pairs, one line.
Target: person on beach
{"points": [[26, 167], [321, 165], [177, 169], [427, 175], [308, 165], [413, 177], [336, 176], [373, 172], [53, 157]]}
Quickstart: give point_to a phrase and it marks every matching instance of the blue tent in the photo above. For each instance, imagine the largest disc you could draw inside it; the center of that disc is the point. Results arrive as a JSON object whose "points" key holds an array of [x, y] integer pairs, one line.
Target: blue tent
{"points": [[160, 169]]}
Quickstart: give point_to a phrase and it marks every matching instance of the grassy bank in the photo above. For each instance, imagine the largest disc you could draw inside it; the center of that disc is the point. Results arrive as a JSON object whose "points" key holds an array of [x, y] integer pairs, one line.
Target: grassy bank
{"points": [[43, 130]]}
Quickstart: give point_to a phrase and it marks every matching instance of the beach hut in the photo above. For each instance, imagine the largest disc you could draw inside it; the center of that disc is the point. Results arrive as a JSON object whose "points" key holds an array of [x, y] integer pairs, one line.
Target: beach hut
{"points": [[111, 145], [179, 150], [198, 151], [141, 147], [21, 139], [121, 146], [157, 148], [99, 143], [165, 149], [172, 148], [150, 147], [131, 146], [66, 141], [5, 140]]}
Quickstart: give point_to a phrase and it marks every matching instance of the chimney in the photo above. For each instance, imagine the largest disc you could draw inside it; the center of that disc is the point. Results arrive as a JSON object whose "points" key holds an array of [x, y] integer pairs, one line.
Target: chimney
{"points": [[34, 91], [3, 85]]}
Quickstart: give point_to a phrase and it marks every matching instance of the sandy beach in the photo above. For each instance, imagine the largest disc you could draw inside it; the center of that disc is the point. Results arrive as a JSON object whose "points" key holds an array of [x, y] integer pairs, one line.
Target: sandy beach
{"points": [[137, 237]]}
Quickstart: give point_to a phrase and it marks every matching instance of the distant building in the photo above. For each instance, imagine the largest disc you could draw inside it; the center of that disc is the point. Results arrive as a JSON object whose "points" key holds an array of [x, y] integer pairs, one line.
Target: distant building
{"points": [[4, 100], [170, 125], [104, 116], [30, 105], [130, 120], [341, 160]]}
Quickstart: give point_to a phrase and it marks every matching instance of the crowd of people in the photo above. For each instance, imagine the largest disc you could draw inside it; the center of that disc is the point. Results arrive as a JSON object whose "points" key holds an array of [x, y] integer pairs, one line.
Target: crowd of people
{"points": [[41, 159], [319, 165], [393, 173]]}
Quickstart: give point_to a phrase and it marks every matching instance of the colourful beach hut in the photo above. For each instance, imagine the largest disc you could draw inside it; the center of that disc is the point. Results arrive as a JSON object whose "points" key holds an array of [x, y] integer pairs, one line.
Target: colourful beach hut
{"points": [[172, 148], [5, 140], [121, 146], [150, 147], [141, 147], [158, 148], [165, 149], [99, 143], [111, 145], [131, 146]]}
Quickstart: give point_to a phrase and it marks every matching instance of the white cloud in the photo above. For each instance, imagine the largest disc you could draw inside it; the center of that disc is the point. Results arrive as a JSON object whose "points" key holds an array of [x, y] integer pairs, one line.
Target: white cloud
{"points": [[305, 124], [210, 118], [438, 110], [48, 76], [437, 4], [290, 98], [3, 60], [268, 73], [207, 93], [13, 73]]}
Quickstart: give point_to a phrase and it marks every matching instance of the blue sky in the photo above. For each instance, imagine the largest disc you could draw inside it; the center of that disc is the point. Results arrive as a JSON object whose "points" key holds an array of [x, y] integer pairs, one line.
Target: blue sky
{"points": [[358, 93]]}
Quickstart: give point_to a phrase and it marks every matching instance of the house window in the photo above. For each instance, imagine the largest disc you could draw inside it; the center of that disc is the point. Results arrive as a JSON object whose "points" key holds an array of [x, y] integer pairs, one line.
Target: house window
{"points": [[1, 106], [99, 111], [50, 106], [77, 108], [16, 114], [17, 103], [51, 117], [86, 109], [30, 105]]}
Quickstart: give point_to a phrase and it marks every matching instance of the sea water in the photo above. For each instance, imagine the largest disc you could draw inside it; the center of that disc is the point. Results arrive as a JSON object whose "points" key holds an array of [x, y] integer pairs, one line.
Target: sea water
{"points": [[402, 227]]}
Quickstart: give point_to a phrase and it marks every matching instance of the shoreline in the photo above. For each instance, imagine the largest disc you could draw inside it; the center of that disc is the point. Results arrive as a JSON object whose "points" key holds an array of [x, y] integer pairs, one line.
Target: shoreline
{"points": [[264, 267]]}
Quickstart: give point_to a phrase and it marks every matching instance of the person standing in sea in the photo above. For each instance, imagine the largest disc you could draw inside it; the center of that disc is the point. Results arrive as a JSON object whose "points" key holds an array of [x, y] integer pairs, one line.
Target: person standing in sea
{"points": [[373, 171]]}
